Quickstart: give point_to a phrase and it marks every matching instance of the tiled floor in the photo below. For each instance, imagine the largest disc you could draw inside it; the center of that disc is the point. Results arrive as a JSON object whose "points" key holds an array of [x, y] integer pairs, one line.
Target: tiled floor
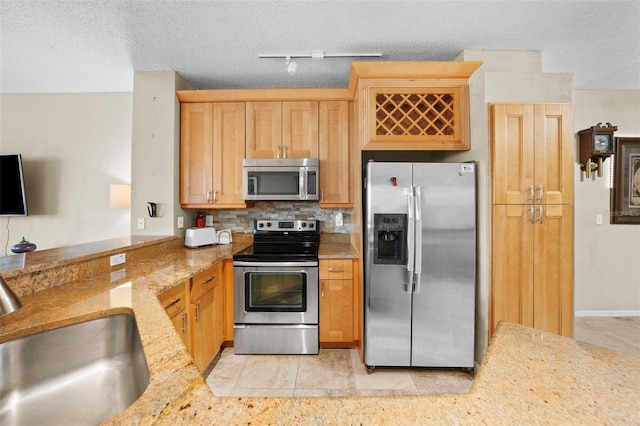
{"points": [[333, 372], [338, 372], [621, 334]]}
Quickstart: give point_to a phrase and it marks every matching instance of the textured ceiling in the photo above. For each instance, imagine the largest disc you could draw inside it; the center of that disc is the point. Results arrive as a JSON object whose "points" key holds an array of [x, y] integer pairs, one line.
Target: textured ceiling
{"points": [[96, 46]]}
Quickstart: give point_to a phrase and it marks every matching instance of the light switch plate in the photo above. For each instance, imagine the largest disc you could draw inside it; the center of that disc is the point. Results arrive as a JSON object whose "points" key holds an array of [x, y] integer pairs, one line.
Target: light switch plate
{"points": [[141, 223]]}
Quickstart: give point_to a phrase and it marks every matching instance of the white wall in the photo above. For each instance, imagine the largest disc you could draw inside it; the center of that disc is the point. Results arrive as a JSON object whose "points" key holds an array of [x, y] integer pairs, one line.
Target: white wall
{"points": [[607, 276], [73, 146], [156, 153]]}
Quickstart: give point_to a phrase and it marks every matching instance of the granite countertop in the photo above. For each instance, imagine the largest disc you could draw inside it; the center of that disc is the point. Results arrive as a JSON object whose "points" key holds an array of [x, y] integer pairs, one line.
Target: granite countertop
{"points": [[337, 251], [526, 376]]}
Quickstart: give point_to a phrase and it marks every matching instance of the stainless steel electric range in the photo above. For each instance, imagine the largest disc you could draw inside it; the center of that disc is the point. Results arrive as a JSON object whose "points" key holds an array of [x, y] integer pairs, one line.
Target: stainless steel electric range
{"points": [[276, 289]]}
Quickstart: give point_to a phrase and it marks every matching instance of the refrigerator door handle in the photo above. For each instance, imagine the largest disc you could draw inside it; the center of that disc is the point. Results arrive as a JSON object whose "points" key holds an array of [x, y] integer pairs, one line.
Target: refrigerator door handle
{"points": [[411, 201], [418, 238]]}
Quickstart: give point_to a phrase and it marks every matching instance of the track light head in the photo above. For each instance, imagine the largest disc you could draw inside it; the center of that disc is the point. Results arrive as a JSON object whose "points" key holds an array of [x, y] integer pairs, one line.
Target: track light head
{"points": [[292, 66]]}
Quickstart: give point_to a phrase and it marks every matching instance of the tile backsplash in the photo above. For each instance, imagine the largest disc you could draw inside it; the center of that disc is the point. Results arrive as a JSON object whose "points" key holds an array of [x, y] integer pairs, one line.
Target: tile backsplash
{"points": [[241, 221]]}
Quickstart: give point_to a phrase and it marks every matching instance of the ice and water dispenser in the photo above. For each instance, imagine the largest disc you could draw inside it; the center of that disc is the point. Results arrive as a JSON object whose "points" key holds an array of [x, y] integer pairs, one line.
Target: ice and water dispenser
{"points": [[390, 234]]}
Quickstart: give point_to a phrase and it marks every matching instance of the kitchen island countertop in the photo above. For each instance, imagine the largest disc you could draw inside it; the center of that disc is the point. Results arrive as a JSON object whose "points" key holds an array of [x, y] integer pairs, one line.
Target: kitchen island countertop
{"points": [[526, 376]]}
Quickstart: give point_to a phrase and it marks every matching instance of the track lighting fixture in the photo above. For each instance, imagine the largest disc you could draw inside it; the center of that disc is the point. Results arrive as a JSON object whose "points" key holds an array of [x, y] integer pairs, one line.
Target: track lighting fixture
{"points": [[292, 66]]}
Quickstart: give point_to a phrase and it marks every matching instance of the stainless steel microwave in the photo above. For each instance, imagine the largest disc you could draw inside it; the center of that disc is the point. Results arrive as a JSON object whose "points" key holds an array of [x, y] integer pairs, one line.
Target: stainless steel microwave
{"points": [[280, 179]]}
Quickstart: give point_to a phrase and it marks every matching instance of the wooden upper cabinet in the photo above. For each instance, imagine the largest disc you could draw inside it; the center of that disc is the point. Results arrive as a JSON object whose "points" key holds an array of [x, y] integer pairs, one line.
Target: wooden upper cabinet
{"points": [[532, 153], [420, 114], [211, 152], [300, 129], [282, 129], [228, 152], [264, 129], [196, 153], [335, 175]]}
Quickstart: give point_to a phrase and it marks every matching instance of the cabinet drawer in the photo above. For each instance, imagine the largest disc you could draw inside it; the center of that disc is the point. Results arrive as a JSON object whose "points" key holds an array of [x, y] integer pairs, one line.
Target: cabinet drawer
{"points": [[336, 269], [173, 300], [205, 281]]}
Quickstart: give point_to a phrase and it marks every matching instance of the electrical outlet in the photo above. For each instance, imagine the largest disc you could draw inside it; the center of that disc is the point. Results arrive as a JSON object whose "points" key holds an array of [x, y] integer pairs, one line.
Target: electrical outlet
{"points": [[117, 259], [141, 223], [338, 219], [598, 219], [180, 222]]}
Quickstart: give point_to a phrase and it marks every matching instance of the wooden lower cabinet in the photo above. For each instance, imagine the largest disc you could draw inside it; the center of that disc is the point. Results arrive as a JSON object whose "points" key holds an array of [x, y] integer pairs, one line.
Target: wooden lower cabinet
{"points": [[174, 302], [336, 301], [197, 309], [207, 328], [207, 315], [532, 267]]}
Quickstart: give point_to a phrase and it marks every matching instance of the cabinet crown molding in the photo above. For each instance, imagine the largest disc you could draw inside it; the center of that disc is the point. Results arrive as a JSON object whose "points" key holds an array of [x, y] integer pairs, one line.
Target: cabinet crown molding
{"points": [[459, 70]]}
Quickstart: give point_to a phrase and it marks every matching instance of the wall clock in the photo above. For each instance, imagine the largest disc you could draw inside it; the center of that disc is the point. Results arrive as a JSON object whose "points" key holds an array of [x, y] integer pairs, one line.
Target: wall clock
{"points": [[596, 145]]}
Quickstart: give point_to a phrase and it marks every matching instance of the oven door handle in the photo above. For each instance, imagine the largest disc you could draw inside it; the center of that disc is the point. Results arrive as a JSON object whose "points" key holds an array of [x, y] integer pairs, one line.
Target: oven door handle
{"points": [[274, 264]]}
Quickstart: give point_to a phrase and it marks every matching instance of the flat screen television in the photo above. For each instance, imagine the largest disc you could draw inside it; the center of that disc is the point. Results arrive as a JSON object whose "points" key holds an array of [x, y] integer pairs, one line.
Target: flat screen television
{"points": [[13, 198]]}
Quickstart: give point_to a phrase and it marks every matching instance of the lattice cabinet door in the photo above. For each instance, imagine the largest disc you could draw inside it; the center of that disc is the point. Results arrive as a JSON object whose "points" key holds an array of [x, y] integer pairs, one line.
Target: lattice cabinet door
{"points": [[416, 115]]}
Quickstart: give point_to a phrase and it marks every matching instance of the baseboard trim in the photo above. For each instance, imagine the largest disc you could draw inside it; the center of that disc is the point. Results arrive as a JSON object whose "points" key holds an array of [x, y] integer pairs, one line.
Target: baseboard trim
{"points": [[607, 313]]}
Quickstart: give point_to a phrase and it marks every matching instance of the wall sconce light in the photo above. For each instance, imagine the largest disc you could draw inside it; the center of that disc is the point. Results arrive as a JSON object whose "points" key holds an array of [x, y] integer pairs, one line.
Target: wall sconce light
{"points": [[119, 196], [596, 145]]}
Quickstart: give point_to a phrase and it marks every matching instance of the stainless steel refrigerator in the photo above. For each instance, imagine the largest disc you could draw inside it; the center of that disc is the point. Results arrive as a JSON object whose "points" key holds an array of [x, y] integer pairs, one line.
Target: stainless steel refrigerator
{"points": [[420, 264]]}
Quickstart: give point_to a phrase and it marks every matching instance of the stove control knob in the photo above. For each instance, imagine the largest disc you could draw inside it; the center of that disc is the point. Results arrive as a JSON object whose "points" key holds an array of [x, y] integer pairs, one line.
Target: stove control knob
{"points": [[268, 224], [311, 224], [304, 224], [260, 225]]}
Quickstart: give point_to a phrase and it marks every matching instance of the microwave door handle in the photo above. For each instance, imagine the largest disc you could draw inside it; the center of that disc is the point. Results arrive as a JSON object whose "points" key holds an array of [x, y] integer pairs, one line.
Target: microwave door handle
{"points": [[418, 237], [410, 238], [302, 184]]}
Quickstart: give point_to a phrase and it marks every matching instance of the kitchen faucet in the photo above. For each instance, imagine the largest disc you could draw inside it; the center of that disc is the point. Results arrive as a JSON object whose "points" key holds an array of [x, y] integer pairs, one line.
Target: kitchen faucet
{"points": [[9, 302]]}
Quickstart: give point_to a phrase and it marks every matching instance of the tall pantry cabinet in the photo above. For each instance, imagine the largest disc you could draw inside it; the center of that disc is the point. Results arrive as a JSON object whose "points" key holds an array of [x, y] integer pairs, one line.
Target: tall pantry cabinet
{"points": [[532, 216]]}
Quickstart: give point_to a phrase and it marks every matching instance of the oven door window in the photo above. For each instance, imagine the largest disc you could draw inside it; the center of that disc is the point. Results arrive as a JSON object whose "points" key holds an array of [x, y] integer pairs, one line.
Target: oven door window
{"points": [[275, 292]]}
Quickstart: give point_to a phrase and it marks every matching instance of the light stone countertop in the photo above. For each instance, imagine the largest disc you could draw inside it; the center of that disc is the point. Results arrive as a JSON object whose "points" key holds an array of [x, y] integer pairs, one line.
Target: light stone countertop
{"points": [[526, 377], [337, 251]]}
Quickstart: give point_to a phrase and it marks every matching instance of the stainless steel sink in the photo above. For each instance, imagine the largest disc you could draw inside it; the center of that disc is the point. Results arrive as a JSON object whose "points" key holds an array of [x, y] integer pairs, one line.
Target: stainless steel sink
{"points": [[81, 374]]}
